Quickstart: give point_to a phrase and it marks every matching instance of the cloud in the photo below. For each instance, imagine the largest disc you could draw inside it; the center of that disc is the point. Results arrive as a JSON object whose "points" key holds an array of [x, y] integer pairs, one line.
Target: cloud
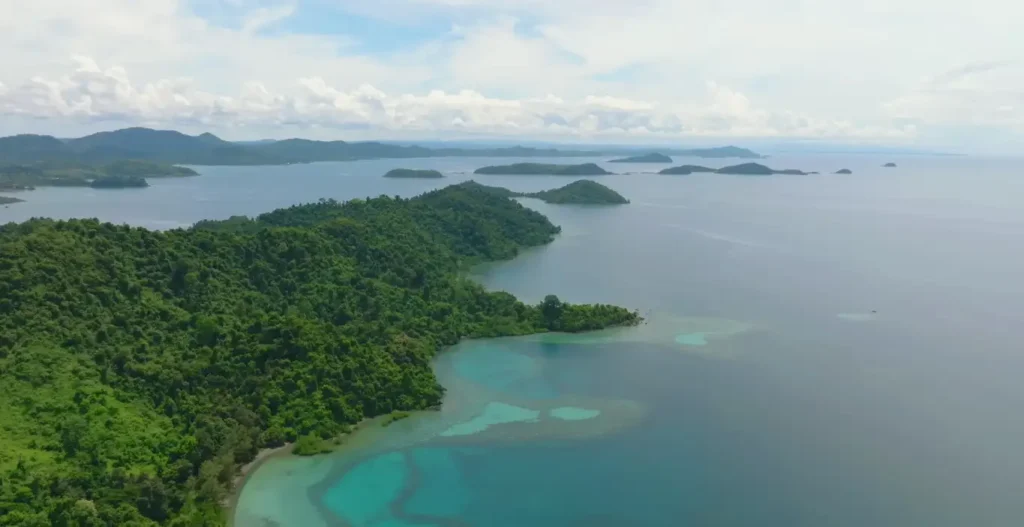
{"points": [[572, 68], [92, 94], [263, 17]]}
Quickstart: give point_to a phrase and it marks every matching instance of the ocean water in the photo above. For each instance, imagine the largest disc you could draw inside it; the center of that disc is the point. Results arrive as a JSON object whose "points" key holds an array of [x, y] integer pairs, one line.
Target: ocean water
{"points": [[820, 350]]}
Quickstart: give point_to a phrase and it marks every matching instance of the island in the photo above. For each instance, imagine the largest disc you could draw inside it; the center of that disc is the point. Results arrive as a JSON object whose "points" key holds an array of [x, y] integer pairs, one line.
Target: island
{"points": [[646, 158], [408, 173], [889, 165], [119, 182], [586, 169], [175, 148], [140, 370], [685, 170], [844, 171], [56, 173], [582, 192], [7, 200]]}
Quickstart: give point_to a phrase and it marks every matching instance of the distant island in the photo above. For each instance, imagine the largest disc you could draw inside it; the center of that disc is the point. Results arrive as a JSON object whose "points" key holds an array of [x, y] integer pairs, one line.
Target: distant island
{"points": [[889, 165], [7, 200], [581, 192], [175, 148], [408, 173], [757, 169], [685, 170], [55, 173], [586, 169], [844, 171], [119, 182], [646, 158]]}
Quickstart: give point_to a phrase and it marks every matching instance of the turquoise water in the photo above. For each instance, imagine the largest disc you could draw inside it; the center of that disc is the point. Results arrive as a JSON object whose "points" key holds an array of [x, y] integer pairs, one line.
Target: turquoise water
{"points": [[821, 351]]}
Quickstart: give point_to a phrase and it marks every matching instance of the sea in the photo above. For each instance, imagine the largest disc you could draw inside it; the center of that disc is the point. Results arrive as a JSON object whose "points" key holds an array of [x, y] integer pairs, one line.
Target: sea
{"points": [[821, 350]]}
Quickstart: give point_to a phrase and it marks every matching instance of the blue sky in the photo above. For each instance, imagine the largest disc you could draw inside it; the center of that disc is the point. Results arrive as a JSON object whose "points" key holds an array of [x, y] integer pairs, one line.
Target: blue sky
{"points": [[925, 74]]}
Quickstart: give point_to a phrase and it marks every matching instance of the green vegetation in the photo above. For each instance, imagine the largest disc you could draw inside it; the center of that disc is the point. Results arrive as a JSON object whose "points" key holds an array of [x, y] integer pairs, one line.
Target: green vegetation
{"points": [[844, 171], [647, 158], [119, 182], [311, 445], [889, 165], [77, 174], [171, 147], [140, 369], [395, 416], [757, 169], [414, 174], [586, 169], [685, 170], [6, 200], [582, 192]]}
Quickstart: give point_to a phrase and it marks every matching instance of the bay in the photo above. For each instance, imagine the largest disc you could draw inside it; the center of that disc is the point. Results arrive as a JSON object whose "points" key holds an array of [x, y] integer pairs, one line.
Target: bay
{"points": [[820, 350]]}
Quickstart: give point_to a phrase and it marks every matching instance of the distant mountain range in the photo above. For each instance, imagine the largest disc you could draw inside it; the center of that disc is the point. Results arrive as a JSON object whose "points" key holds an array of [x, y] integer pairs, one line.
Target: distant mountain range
{"points": [[168, 146]]}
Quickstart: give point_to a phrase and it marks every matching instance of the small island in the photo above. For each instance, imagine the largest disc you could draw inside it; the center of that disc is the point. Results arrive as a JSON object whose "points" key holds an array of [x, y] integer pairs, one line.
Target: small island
{"points": [[585, 169], [408, 173], [685, 170], [7, 200], [582, 192], [844, 171], [646, 158], [757, 169], [119, 182], [889, 165]]}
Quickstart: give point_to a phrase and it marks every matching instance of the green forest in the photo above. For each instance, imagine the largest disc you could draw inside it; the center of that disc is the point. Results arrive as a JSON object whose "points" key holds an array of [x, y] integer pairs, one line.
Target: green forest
{"points": [[139, 369]]}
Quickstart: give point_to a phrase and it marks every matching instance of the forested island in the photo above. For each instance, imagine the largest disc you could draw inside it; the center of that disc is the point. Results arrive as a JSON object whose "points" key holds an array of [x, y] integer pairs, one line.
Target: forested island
{"points": [[408, 173], [139, 369], [844, 171], [119, 182], [685, 170], [889, 165], [646, 158], [7, 200], [176, 148], [757, 169], [582, 192], [77, 174], [586, 169]]}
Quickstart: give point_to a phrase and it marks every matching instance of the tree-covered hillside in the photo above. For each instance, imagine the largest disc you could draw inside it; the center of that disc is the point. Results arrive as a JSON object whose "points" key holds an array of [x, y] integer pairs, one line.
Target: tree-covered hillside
{"points": [[139, 369]]}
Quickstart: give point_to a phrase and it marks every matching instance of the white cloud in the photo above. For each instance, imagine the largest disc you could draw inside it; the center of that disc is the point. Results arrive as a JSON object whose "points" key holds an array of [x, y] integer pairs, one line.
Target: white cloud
{"points": [[878, 70], [92, 94]]}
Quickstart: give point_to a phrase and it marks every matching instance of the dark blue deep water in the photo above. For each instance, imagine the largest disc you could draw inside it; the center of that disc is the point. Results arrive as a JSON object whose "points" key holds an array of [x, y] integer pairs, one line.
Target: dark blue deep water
{"points": [[820, 351]]}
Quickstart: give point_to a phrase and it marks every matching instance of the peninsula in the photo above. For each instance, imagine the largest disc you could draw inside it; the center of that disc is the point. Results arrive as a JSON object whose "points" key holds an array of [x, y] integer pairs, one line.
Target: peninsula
{"points": [[586, 169], [685, 170], [408, 173], [646, 158], [140, 369]]}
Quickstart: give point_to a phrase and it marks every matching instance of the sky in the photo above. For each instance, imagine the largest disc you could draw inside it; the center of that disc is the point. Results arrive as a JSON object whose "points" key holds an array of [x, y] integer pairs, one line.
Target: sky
{"points": [[940, 74]]}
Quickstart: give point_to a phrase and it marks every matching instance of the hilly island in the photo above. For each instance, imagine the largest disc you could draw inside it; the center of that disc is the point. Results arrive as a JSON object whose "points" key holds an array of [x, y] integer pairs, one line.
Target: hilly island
{"points": [[172, 147], [139, 369], [582, 192]]}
